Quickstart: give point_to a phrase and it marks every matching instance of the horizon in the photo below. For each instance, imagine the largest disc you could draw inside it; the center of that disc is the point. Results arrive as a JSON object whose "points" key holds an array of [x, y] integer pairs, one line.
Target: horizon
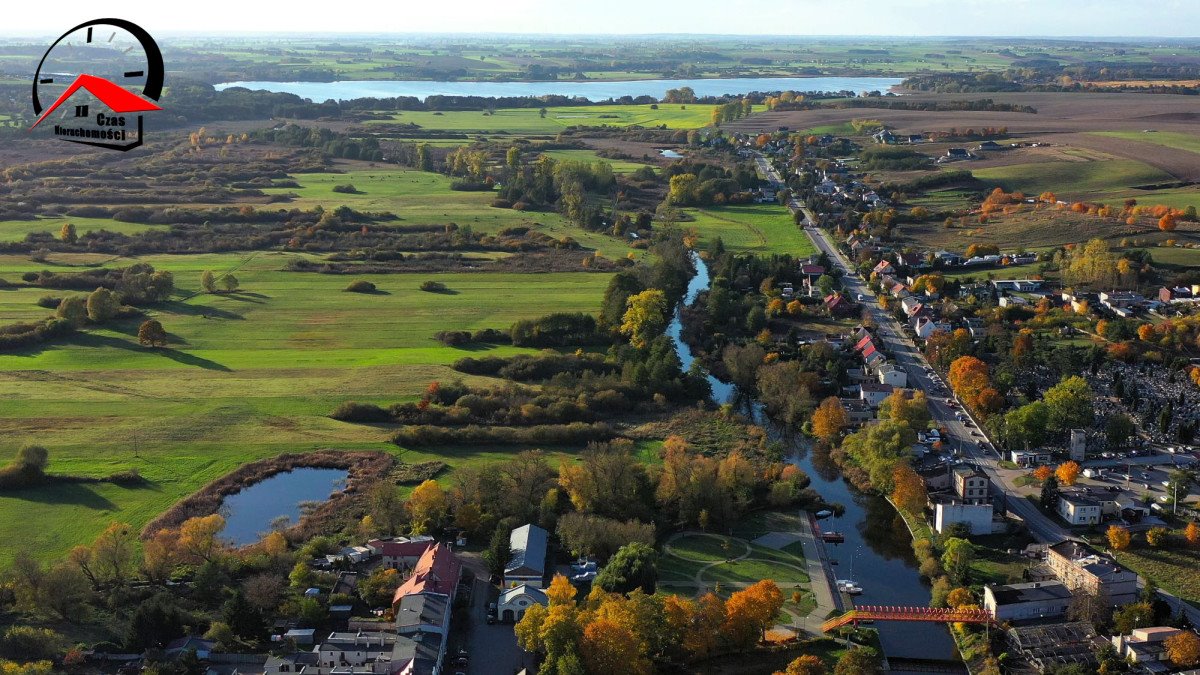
{"points": [[906, 19]]}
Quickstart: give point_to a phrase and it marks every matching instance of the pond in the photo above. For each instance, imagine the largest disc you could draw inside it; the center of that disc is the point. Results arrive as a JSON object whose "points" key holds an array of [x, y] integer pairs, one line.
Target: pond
{"points": [[670, 154], [250, 513], [593, 90], [877, 552]]}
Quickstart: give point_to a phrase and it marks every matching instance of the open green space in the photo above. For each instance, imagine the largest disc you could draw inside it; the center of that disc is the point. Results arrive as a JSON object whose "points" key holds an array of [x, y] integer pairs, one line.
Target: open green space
{"points": [[751, 228], [422, 198], [1170, 139], [16, 230], [590, 156], [247, 375], [1076, 180], [530, 120]]}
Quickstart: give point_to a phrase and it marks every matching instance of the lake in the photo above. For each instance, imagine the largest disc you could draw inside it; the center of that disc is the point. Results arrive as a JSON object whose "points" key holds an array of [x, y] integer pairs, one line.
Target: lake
{"points": [[249, 513], [592, 90]]}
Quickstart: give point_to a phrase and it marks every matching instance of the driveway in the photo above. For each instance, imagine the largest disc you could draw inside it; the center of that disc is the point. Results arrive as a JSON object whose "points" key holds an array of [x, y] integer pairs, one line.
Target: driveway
{"points": [[493, 649]]}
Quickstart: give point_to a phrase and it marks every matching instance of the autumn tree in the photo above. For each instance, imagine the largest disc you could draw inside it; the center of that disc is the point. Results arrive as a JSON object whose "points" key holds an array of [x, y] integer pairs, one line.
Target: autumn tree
{"points": [[829, 419], [1042, 473], [634, 566], [230, 283], [1118, 538], [610, 647], [1069, 403], [114, 552], [198, 540], [858, 661], [1183, 649], [957, 556], [427, 507], [1192, 534], [1158, 537], [750, 612], [960, 597], [102, 305], [160, 555], [152, 334], [645, 317], [208, 281], [1067, 472], [808, 664], [74, 309], [908, 491], [67, 234]]}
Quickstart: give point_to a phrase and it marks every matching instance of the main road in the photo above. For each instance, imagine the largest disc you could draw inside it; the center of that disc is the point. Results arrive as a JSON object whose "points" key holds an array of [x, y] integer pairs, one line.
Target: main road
{"points": [[964, 434], [971, 441]]}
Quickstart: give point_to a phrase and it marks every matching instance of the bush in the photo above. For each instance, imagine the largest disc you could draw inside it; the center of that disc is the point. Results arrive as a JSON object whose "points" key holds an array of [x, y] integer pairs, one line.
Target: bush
{"points": [[352, 411], [468, 185], [577, 433], [433, 286], [360, 286], [453, 338], [49, 301], [347, 189]]}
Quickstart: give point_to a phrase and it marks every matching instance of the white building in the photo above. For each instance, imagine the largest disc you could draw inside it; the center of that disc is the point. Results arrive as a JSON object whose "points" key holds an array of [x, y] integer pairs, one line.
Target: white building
{"points": [[893, 376], [514, 601], [1078, 510], [950, 512]]}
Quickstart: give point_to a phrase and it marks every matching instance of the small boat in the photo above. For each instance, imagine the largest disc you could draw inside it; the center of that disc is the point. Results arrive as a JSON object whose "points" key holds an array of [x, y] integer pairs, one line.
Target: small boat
{"points": [[824, 513], [833, 537], [848, 586]]}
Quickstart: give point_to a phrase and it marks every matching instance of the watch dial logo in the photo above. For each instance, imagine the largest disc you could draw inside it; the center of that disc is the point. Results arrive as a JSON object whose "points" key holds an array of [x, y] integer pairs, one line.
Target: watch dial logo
{"points": [[94, 83]]}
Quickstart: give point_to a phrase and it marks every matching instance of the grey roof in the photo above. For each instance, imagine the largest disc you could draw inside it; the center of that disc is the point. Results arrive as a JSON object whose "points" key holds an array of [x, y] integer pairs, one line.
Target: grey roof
{"points": [[538, 595], [422, 650], [422, 609], [528, 544], [1037, 591]]}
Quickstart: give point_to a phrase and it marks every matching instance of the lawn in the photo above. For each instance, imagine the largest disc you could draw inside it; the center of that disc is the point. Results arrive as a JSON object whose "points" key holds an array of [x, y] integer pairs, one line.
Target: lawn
{"points": [[247, 375], [529, 121], [1172, 569], [752, 228], [590, 156]]}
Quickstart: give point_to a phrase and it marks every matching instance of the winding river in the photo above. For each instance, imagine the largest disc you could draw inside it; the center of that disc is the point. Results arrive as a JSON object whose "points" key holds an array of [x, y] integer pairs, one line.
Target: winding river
{"points": [[878, 548]]}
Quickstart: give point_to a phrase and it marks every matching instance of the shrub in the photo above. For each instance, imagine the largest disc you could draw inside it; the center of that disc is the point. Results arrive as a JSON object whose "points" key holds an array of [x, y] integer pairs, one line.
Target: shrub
{"points": [[360, 286], [49, 301], [453, 338], [352, 411], [432, 286], [347, 189], [577, 433]]}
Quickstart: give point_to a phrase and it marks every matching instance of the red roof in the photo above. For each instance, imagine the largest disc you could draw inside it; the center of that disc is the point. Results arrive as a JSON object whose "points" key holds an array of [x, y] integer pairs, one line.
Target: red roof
{"points": [[400, 549], [436, 572], [866, 340], [812, 270], [118, 99]]}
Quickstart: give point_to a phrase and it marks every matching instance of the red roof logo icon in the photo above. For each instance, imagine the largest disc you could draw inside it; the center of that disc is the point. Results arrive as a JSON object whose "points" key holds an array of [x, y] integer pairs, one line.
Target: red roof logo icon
{"points": [[118, 99]]}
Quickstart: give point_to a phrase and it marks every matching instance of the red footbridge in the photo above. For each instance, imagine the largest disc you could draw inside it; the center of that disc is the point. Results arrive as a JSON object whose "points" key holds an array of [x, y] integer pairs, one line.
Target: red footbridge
{"points": [[925, 614]]}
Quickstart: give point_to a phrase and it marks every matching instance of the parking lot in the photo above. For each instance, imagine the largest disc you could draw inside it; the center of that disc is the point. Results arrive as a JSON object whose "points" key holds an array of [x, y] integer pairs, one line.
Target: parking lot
{"points": [[491, 649]]}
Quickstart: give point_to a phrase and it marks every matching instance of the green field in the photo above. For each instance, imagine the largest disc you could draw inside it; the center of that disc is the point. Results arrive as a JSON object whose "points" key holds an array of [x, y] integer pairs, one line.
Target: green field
{"points": [[1170, 139], [247, 375], [529, 121], [756, 228], [15, 230], [422, 198], [1073, 180], [1083, 180], [590, 156]]}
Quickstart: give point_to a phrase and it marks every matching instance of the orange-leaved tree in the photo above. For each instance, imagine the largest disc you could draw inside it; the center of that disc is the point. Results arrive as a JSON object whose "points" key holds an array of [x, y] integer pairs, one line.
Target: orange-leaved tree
{"points": [[1067, 472], [1118, 538]]}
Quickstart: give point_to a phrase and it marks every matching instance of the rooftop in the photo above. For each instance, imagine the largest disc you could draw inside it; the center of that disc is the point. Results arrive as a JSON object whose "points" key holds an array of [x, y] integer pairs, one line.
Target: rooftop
{"points": [[528, 544], [1036, 591]]}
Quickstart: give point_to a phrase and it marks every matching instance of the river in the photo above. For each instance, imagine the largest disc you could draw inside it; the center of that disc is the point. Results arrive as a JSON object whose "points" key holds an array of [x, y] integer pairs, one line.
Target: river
{"points": [[593, 90], [878, 546]]}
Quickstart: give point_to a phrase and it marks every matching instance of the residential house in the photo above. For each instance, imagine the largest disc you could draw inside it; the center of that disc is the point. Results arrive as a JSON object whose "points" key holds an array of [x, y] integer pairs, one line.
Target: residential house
{"points": [[529, 545], [858, 411], [514, 601], [970, 484], [910, 305], [812, 271], [361, 651], [1120, 299], [924, 327], [1012, 301], [839, 306], [1078, 509], [954, 154], [949, 511], [1179, 294], [400, 552], [974, 326], [989, 145], [874, 393], [914, 139], [910, 260], [884, 267], [1035, 600], [892, 375], [1081, 567], [307, 663], [884, 136], [948, 259]]}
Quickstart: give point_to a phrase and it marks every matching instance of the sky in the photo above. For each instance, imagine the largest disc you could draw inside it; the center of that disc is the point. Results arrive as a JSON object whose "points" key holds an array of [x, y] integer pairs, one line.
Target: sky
{"points": [[1106, 18]]}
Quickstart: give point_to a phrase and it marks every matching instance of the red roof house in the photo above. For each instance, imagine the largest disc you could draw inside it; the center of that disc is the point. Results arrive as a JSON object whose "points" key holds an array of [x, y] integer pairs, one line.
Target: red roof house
{"points": [[437, 571]]}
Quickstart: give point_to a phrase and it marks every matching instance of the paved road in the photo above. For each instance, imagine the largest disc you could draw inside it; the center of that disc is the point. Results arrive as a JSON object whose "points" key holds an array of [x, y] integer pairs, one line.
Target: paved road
{"points": [[965, 440]]}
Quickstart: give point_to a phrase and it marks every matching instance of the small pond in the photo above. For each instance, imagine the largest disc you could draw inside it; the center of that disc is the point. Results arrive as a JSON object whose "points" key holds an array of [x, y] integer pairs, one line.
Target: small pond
{"points": [[670, 154], [250, 513]]}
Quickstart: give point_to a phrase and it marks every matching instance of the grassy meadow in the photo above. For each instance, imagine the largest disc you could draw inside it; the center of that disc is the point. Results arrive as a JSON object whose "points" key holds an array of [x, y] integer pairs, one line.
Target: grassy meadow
{"points": [[751, 228], [247, 375], [1088, 180]]}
